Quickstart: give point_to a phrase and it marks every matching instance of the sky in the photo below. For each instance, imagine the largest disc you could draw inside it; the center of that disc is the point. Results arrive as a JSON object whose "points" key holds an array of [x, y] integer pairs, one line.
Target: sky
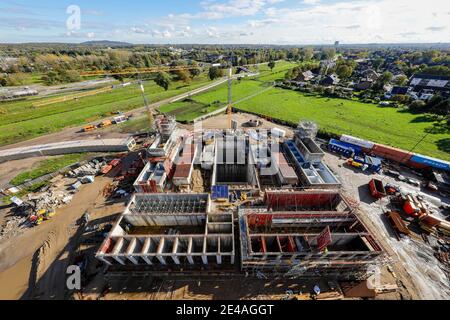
{"points": [[282, 22]]}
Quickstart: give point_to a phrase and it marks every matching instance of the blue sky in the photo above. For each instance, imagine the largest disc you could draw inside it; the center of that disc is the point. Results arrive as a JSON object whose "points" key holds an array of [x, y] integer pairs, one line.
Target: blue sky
{"points": [[226, 21]]}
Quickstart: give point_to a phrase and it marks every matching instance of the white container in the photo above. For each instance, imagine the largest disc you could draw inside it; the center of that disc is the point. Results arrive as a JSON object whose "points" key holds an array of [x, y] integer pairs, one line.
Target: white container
{"points": [[357, 141], [278, 133]]}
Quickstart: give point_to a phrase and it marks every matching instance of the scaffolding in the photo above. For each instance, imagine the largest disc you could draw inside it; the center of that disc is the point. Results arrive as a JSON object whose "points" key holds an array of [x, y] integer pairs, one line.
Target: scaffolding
{"points": [[282, 238], [168, 203]]}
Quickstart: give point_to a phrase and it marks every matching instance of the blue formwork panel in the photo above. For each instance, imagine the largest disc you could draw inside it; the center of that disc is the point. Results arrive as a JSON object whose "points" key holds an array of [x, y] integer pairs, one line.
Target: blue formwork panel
{"points": [[219, 192]]}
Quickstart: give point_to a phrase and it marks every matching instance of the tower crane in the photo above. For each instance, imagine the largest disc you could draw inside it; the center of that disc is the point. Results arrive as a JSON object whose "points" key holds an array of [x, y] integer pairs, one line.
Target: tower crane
{"points": [[230, 97]]}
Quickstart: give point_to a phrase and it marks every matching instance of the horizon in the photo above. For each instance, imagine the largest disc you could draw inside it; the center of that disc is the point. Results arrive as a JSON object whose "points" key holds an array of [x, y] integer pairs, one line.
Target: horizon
{"points": [[229, 22]]}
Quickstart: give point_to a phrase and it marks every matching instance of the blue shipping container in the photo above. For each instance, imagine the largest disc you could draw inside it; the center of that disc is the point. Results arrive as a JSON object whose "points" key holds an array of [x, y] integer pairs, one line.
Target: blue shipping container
{"points": [[432, 162], [344, 148]]}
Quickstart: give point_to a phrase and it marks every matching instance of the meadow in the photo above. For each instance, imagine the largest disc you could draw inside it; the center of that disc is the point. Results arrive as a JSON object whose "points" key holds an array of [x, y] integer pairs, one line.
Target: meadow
{"points": [[20, 120], [386, 125]]}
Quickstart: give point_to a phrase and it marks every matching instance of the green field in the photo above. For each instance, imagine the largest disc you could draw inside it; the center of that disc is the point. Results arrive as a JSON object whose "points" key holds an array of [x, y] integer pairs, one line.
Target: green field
{"points": [[216, 98], [20, 121], [48, 166], [389, 126]]}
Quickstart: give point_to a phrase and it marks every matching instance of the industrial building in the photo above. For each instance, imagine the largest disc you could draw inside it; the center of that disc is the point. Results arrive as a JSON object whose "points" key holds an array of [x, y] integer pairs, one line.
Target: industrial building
{"points": [[285, 237], [252, 182], [175, 230]]}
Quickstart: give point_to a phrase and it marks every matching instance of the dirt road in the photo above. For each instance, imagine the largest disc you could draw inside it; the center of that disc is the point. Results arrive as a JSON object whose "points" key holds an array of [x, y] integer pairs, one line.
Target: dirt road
{"points": [[33, 264]]}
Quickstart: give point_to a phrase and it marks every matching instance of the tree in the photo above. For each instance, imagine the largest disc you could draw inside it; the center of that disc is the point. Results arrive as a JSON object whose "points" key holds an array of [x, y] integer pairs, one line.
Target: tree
{"points": [[271, 65], [16, 79], [378, 63], [215, 72], [401, 80], [328, 53], [3, 81], [163, 80], [344, 71], [194, 72], [383, 80]]}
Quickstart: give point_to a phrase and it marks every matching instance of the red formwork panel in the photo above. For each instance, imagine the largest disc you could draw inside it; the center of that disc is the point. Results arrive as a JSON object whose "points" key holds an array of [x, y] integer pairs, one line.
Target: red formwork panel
{"points": [[182, 171], [258, 219], [107, 246], [320, 200]]}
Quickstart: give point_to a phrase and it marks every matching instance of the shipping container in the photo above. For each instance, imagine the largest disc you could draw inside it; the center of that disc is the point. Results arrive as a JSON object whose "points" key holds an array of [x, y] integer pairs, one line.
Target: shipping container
{"points": [[276, 132], [430, 162], [344, 148], [390, 153], [357, 141]]}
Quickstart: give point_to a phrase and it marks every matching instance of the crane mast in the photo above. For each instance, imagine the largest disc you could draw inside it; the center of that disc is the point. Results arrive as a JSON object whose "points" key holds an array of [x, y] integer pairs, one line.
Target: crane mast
{"points": [[230, 97]]}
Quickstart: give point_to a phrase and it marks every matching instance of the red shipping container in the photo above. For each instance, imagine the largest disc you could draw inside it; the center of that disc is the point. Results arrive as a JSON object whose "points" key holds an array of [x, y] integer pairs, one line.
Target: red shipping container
{"points": [[391, 153]]}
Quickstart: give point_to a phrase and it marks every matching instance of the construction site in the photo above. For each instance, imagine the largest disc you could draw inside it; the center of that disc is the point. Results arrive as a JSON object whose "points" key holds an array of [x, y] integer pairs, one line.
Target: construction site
{"points": [[232, 201]]}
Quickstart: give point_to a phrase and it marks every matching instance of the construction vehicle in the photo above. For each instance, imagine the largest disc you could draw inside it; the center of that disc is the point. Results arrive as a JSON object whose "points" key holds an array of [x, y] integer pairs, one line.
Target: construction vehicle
{"points": [[89, 128], [105, 123], [41, 216], [376, 188], [230, 98], [365, 163]]}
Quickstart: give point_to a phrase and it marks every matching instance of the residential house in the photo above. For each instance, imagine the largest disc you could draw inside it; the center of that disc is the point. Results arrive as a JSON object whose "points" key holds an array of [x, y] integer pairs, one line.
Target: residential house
{"points": [[305, 76], [330, 80]]}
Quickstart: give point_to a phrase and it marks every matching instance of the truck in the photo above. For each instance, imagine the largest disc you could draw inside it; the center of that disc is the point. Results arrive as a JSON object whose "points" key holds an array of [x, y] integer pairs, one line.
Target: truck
{"points": [[372, 164], [376, 188], [105, 123], [89, 128]]}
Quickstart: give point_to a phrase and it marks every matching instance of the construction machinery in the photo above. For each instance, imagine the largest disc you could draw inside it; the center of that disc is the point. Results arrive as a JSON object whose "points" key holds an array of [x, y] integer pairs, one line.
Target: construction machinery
{"points": [[105, 123], [230, 98], [71, 97], [137, 70], [41, 216], [89, 128]]}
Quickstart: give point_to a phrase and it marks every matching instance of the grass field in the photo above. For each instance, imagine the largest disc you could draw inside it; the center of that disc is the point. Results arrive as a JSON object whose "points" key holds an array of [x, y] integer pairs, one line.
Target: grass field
{"points": [[383, 125], [48, 166], [216, 98], [20, 121], [389, 126]]}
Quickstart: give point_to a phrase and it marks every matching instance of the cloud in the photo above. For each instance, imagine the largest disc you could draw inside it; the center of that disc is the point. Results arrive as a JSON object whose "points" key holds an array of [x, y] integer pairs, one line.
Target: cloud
{"points": [[311, 1], [436, 29]]}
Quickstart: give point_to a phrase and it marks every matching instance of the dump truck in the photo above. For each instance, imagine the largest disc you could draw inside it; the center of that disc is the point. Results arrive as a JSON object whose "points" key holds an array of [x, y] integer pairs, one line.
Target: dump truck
{"points": [[89, 128], [376, 188]]}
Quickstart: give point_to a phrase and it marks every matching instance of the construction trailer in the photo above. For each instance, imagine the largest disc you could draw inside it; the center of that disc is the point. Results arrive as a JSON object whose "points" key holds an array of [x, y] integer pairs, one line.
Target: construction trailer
{"points": [[234, 165], [285, 237], [175, 232]]}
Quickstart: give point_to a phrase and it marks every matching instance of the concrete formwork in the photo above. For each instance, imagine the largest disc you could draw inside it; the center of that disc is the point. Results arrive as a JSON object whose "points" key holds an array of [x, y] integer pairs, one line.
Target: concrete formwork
{"points": [[282, 238], [315, 175], [162, 230], [233, 164]]}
